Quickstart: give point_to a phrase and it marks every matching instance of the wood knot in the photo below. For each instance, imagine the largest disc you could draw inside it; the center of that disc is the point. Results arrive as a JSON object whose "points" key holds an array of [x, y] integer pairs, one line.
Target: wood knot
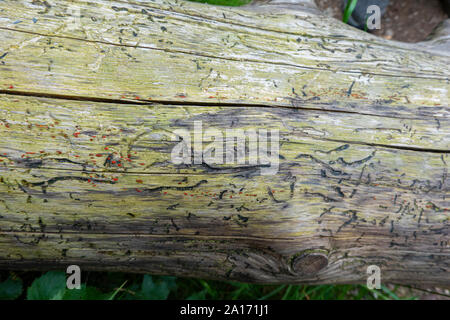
{"points": [[309, 263]]}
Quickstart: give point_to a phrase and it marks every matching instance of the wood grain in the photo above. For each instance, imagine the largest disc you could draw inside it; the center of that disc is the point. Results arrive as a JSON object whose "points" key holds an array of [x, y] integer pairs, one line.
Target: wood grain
{"points": [[87, 122]]}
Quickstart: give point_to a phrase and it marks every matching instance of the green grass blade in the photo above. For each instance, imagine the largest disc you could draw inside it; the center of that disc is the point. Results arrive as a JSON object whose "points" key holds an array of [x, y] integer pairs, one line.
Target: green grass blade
{"points": [[274, 292], [390, 293], [286, 293], [351, 4], [117, 291]]}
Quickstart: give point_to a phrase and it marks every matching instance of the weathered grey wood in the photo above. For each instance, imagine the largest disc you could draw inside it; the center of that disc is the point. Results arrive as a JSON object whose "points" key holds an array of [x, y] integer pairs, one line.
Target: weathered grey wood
{"points": [[363, 161]]}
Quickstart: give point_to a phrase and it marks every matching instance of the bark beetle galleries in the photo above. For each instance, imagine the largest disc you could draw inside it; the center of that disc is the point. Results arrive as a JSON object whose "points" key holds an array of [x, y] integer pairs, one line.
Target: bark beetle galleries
{"points": [[309, 264]]}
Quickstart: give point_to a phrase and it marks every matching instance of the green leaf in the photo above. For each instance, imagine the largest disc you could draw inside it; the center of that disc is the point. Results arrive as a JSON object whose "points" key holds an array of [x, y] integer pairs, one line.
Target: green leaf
{"points": [[10, 289], [50, 286], [156, 288], [84, 293], [201, 295], [274, 292]]}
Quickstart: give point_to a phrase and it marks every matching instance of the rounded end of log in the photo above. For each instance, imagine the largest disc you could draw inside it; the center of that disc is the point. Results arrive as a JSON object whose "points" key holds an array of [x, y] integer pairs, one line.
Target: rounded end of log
{"points": [[309, 264]]}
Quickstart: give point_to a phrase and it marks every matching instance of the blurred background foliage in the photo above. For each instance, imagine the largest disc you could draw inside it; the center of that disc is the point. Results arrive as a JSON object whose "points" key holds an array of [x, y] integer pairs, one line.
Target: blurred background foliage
{"points": [[123, 286]]}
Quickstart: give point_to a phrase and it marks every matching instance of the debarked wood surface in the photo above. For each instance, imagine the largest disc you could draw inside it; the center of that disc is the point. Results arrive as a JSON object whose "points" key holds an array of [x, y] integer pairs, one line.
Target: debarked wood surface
{"points": [[88, 107]]}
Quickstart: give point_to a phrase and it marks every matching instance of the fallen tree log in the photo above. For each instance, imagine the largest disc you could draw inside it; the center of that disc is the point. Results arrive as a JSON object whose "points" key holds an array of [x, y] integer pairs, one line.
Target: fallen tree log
{"points": [[93, 92]]}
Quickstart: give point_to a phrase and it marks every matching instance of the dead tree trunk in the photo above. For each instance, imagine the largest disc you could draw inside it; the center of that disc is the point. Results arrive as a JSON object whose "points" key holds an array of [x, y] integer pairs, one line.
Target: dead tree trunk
{"points": [[91, 93]]}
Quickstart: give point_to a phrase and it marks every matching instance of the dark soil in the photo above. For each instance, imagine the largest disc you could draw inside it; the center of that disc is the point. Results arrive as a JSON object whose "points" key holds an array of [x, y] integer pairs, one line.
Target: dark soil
{"points": [[408, 21]]}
